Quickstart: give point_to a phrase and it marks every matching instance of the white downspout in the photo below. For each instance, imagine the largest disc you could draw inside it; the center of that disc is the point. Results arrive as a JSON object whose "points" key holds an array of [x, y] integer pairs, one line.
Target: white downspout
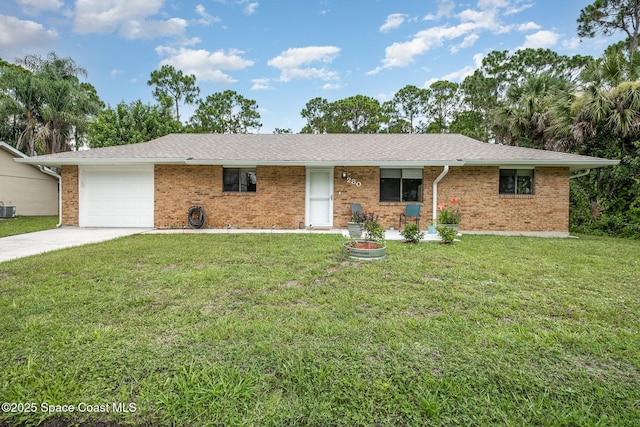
{"points": [[580, 174], [434, 208], [50, 172]]}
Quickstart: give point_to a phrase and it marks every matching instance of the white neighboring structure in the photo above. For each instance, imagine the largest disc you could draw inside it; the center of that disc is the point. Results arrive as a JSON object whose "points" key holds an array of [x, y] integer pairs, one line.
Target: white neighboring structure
{"points": [[31, 189]]}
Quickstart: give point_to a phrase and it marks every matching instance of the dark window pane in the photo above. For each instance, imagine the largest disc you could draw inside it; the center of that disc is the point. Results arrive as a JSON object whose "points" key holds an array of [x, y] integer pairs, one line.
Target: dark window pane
{"points": [[411, 189], [250, 180], [389, 189], [231, 179], [507, 181], [525, 185]]}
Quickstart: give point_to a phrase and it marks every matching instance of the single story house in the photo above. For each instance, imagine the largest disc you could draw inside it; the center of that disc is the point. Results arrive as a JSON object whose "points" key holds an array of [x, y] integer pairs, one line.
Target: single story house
{"points": [[292, 181], [32, 189]]}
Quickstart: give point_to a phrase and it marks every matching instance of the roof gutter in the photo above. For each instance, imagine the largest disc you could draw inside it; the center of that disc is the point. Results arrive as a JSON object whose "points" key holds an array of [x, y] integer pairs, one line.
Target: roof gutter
{"points": [[434, 207]]}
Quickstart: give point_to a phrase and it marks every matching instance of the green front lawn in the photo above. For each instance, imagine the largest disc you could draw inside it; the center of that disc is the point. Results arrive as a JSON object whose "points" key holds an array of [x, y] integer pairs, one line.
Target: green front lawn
{"points": [[26, 224], [201, 329]]}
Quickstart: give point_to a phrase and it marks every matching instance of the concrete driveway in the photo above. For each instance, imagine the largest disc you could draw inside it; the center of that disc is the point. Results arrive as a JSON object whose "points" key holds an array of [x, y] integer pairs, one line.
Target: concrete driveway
{"points": [[23, 245]]}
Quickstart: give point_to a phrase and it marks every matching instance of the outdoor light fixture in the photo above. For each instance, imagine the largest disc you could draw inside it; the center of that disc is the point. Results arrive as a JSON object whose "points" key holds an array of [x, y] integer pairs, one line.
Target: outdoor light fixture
{"points": [[344, 174]]}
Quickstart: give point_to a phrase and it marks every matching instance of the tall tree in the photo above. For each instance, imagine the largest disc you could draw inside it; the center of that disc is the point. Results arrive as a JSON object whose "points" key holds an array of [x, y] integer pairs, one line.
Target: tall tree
{"points": [[174, 85], [316, 112], [607, 17], [356, 114], [443, 102], [131, 123], [408, 105], [225, 112]]}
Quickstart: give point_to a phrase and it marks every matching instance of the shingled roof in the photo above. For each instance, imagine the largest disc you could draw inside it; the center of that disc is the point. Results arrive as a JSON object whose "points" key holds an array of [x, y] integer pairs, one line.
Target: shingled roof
{"points": [[320, 150]]}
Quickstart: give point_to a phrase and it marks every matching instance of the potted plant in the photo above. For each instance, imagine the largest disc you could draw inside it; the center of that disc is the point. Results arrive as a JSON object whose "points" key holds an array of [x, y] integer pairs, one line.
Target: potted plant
{"points": [[372, 247], [412, 233], [449, 217], [356, 225], [431, 229]]}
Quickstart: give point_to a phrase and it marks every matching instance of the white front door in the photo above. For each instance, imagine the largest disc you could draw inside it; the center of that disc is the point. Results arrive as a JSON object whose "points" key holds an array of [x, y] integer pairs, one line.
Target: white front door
{"points": [[319, 200]]}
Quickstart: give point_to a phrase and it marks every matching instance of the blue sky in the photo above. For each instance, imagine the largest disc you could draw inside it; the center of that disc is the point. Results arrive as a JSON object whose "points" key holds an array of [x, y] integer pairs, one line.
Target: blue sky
{"points": [[283, 53]]}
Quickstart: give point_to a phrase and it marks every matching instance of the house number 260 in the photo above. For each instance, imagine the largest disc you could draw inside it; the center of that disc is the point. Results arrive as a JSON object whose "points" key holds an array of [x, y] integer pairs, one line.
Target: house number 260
{"points": [[352, 181]]}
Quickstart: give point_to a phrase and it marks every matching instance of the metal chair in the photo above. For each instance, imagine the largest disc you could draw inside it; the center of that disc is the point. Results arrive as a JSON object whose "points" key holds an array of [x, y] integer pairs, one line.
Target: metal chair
{"points": [[410, 211], [356, 208]]}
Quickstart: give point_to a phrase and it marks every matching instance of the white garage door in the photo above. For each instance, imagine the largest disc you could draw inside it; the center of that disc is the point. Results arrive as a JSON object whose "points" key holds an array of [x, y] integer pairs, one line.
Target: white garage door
{"points": [[116, 196]]}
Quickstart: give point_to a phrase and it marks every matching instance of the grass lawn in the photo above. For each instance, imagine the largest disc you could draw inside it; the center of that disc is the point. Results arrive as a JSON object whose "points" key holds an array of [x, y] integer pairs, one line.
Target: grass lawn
{"points": [[26, 224], [275, 330]]}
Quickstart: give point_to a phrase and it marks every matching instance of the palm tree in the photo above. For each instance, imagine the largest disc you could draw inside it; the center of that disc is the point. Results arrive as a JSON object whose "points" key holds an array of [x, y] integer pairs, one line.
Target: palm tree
{"points": [[46, 95], [525, 119]]}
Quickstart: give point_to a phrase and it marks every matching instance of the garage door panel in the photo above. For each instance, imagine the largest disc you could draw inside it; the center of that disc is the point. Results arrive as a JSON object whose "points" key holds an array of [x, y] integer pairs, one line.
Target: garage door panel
{"points": [[116, 197]]}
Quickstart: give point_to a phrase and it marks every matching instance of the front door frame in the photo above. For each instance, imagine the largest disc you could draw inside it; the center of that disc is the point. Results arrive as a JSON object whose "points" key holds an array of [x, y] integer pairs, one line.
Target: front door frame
{"points": [[329, 196]]}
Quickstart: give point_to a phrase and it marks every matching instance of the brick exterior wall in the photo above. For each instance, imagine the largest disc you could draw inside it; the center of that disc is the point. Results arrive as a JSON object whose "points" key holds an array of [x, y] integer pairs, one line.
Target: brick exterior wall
{"points": [[70, 197], [280, 198], [476, 192]]}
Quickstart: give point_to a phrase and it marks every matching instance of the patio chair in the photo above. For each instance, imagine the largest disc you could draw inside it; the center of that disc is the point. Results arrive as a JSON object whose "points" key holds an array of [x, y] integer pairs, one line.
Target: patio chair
{"points": [[410, 211], [356, 207]]}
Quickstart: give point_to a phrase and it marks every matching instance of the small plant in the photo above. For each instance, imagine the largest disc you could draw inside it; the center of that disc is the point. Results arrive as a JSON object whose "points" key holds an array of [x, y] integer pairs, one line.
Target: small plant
{"points": [[412, 233], [373, 230], [447, 234], [359, 217], [449, 216]]}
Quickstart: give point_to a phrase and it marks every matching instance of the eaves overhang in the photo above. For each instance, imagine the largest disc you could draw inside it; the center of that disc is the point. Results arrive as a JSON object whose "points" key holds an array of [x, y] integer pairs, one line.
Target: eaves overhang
{"points": [[573, 165], [232, 162], [99, 161]]}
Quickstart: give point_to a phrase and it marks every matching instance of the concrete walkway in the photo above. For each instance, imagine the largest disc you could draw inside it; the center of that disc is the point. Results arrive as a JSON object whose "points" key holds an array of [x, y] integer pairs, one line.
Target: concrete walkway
{"points": [[388, 234], [38, 242]]}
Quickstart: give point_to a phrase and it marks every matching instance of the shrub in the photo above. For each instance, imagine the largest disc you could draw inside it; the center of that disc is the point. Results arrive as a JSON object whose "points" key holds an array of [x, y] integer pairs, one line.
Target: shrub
{"points": [[412, 233], [373, 230], [447, 234]]}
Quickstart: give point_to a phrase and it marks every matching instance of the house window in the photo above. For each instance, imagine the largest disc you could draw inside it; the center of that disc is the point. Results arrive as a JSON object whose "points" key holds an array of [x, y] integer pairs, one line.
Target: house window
{"points": [[400, 185], [516, 181], [239, 180]]}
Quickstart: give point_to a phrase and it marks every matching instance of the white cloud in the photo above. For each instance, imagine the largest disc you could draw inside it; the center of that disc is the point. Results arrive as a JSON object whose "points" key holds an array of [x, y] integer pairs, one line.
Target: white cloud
{"points": [[393, 21], [129, 16], [485, 17], [19, 37], [206, 18], [468, 41], [445, 8], [40, 5], [571, 44], [331, 86], [292, 61], [115, 73], [151, 29], [517, 9], [205, 65], [492, 4], [298, 56], [402, 54], [251, 8], [261, 84], [541, 39], [528, 26]]}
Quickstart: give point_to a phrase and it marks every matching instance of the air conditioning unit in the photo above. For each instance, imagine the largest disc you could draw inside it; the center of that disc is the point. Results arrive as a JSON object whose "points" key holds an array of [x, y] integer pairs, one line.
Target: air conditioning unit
{"points": [[7, 211]]}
